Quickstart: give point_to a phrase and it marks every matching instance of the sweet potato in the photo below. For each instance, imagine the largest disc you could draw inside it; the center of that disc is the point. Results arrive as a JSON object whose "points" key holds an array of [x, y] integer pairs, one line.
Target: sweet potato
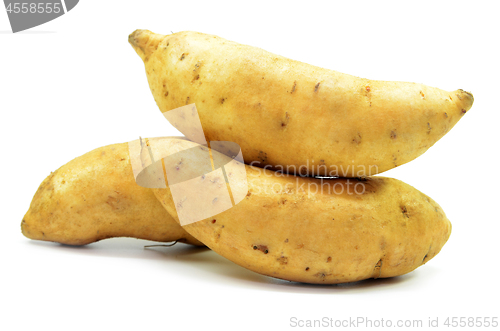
{"points": [[312, 230], [95, 197], [294, 116]]}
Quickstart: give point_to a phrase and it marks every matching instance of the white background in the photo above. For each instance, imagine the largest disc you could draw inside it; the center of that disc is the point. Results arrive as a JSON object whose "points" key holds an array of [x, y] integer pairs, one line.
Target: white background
{"points": [[75, 84]]}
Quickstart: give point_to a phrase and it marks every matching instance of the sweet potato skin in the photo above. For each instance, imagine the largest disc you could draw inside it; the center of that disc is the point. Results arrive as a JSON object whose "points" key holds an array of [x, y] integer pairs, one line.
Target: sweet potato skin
{"points": [[321, 231], [95, 197], [336, 124]]}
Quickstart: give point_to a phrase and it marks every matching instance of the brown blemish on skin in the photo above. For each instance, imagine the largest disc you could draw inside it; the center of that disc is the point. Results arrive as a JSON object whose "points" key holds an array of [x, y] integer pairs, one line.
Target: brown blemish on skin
{"points": [[294, 86], [262, 156], [464, 111], [196, 78], [367, 88], [422, 95], [377, 269], [249, 193], [426, 255], [262, 248], [446, 115], [166, 94], [405, 211], [286, 240], [321, 275], [222, 100], [316, 88], [213, 221], [284, 122], [307, 269], [187, 101], [357, 139], [393, 135], [113, 202], [183, 56], [429, 128], [282, 260], [329, 259]]}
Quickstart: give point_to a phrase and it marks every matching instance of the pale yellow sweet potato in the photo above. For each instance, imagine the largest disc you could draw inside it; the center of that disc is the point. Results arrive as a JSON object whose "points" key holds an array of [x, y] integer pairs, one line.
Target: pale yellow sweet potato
{"points": [[312, 230], [289, 114], [95, 197]]}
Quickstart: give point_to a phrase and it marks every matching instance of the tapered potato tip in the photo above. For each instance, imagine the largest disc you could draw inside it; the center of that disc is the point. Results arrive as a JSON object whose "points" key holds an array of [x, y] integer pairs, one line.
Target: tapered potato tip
{"points": [[465, 100], [145, 42]]}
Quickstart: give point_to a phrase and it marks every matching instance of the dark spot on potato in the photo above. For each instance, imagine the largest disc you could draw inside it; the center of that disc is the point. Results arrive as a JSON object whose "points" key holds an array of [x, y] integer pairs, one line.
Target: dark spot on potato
{"points": [[464, 111], [393, 135], [187, 101], [405, 211], [422, 95], [367, 88], [222, 100], [282, 260], [321, 275], [262, 156], [213, 221], [196, 77], [285, 121], [429, 128], [262, 248], [307, 269], [316, 88], [329, 259], [249, 193], [286, 240], [294, 87], [357, 139], [446, 115], [183, 56], [166, 93], [377, 270]]}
